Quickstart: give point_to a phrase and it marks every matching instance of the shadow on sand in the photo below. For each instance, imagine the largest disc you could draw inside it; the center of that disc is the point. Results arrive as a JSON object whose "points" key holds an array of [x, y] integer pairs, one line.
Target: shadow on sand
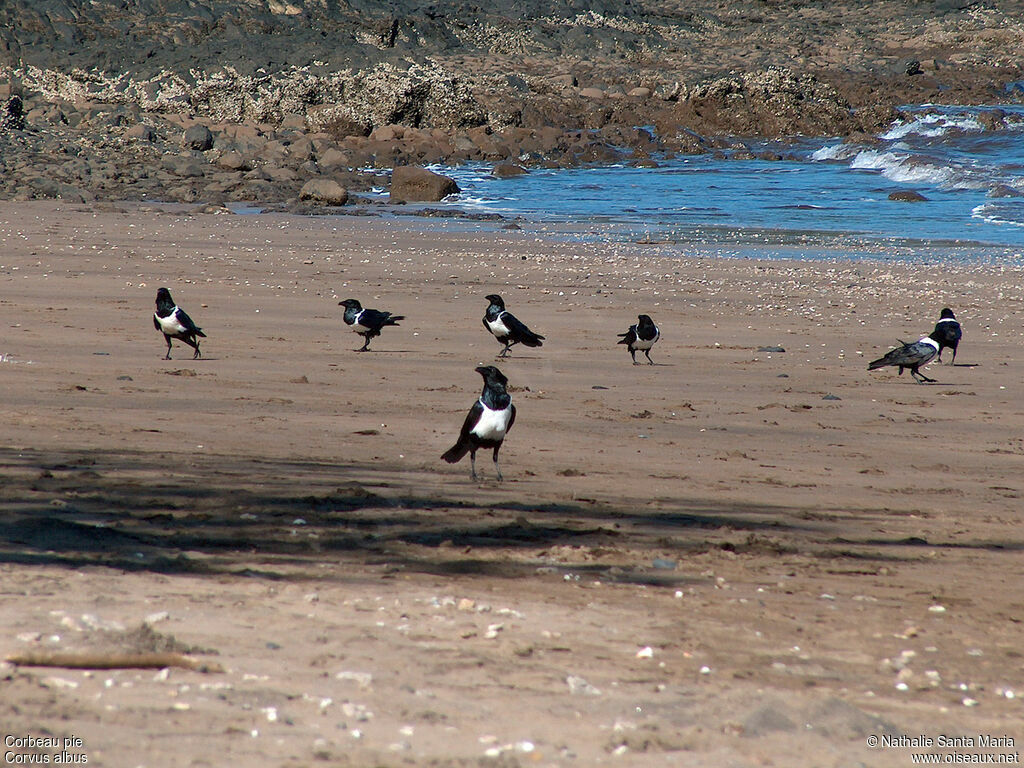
{"points": [[210, 515]]}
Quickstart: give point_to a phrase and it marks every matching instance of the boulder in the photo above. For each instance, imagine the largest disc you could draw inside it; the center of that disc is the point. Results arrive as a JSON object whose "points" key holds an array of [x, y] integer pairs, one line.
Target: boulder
{"points": [[507, 170], [292, 122], [325, 191], [183, 166], [234, 161], [413, 183], [907, 196], [333, 157], [140, 132], [198, 137], [1003, 190], [13, 116]]}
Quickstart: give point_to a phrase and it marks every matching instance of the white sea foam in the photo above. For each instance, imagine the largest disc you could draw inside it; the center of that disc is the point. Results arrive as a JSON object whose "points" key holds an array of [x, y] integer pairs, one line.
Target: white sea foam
{"points": [[873, 160], [834, 152], [913, 169], [477, 201], [932, 125], [1000, 213]]}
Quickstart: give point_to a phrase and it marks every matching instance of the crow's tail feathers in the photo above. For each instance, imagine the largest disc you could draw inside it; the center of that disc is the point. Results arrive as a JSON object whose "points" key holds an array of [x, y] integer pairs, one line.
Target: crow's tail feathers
{"points": [[456, 452]]}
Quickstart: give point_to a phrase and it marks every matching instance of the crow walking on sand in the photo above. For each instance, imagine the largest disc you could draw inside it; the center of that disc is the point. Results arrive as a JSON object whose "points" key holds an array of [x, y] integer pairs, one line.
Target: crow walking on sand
{"points": [[171, 319], [643, 336], [367, 322], [506, 327]]}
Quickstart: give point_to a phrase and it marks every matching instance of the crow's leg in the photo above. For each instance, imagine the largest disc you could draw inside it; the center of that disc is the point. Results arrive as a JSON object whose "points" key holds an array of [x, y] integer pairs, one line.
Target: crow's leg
{"points": [[497, 469], [647, 354], [472, 464], [168, 355]]}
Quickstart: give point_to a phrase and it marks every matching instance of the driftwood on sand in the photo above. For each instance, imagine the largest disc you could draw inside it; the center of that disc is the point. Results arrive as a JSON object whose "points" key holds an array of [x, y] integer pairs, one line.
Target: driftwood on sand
{"points": [[98, 660]]}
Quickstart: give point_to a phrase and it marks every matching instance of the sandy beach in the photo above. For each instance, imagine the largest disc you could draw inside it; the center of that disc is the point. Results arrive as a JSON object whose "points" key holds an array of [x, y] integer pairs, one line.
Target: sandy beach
{"points": [[737, 556]]}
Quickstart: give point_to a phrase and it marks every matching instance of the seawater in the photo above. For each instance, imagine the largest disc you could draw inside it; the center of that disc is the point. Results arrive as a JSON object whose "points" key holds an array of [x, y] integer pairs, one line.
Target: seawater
{"points": [[826, 194]]}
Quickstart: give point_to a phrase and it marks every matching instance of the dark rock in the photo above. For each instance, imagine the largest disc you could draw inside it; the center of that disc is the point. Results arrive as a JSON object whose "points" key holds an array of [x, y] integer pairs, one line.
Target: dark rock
{"points": [[993, 119], [42, 187], [332, 158], [184, 166], [140, 132], [507, 170], [775, 102], [912, 67], [280, 173], [413, 183], [907, 196], [343, 126], [325, 191], [13, 117], [216, 209], [234, 161], [198, 137], [1002, 190]]}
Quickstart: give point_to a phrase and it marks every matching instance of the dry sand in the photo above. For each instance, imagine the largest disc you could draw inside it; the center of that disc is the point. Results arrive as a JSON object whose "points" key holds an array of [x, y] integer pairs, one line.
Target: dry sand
{"points": [[790, 560]]}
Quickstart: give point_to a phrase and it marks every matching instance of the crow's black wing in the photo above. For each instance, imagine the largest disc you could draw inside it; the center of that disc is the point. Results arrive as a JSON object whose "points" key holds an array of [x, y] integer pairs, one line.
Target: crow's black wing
{"points": [[518, 331]]}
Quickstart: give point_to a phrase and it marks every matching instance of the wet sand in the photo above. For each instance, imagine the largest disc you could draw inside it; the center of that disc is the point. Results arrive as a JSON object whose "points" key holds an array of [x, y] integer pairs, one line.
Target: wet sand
{"points": [[734, 557]]}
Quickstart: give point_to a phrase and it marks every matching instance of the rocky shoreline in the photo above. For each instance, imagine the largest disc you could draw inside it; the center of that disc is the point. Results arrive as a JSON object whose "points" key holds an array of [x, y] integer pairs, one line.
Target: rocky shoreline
{"points": [[291, 103]]}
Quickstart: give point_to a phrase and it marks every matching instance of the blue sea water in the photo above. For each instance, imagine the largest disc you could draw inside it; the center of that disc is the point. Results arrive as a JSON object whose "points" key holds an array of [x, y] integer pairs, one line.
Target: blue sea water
{"points": [[969, 167]]}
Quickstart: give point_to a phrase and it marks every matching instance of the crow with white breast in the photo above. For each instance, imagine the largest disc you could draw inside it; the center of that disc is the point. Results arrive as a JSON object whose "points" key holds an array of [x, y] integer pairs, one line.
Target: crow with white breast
{"points": [[506, 327], [367, 322], [487, 423], [643, 336], [172, 321]]}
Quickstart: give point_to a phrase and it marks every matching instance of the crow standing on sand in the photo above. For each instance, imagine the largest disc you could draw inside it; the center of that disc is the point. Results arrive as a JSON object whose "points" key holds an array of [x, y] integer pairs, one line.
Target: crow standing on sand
{"points": [[507, 329], [487, 423], [948, 333], [912, 356], [175, 324], [643, 335], [367, 322]]}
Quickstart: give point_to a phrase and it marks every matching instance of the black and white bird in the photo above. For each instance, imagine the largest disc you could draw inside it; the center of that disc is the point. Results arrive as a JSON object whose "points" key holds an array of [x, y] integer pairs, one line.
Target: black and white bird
{"points": [[948, 333], [643, 336], [172, 321], [367, 322], [487, 422], [911, 356], [506, 327]]}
